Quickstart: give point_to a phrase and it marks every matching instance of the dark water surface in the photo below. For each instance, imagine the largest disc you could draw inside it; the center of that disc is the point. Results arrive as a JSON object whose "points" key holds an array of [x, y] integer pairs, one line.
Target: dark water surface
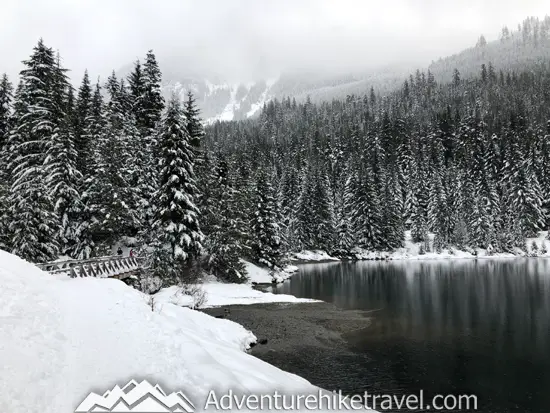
{"points": [[448, 327]]}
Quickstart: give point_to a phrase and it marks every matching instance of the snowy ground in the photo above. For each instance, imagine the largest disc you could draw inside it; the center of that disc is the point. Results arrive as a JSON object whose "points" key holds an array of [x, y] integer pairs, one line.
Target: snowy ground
{"points": [[62, 338], [312, 256], [411, 251], [222, 294]]}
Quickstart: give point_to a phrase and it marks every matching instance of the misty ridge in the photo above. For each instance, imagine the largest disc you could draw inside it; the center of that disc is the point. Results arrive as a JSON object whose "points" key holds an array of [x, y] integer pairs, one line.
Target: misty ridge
{"points": [[228, 98]]}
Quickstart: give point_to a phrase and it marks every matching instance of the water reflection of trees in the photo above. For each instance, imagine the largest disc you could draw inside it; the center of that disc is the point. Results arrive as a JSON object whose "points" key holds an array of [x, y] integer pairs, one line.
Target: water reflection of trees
{"points": [[468, 300]]}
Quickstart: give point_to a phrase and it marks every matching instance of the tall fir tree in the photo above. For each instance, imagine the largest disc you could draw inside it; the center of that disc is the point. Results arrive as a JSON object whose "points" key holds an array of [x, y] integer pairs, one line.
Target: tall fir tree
{"points": [[265, 227], [83, 145], [224, 228], [118, 164], [344, 221], [34, 225], [153, 101], [194, 124], [392, 226], [315, 215], [176, 214], [89, 230], [6, 97], [289, 192], [366, 209], [136, 84], [6, 101], [60, 164], [149, 107]]}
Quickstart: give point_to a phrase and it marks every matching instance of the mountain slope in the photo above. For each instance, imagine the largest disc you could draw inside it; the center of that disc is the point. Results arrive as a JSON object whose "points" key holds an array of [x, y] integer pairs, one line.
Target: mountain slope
{"points": [[234, 101], [222, 99], [524, 48]]}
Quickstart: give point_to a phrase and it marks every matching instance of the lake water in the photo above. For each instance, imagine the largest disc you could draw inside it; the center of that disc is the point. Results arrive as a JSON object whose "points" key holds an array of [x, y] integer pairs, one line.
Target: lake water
{"points": [[447, 327]]}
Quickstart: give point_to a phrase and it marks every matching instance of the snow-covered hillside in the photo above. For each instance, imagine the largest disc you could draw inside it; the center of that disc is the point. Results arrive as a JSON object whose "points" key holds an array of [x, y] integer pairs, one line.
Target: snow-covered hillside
{"points": [[515, 50], [225, 101], [62, 338]]}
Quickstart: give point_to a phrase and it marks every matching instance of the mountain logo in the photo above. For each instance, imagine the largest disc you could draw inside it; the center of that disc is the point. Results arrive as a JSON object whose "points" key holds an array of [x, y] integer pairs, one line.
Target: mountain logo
{"points": [[136, 397]]}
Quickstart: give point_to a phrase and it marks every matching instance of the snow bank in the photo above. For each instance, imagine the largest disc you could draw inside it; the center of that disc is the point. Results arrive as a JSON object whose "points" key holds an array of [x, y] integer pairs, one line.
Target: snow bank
{"points": [[257, 275], [262, 275], [62, 338], [285, 274], [221, 294], [313, 256], [408, 254], [412, 251]]}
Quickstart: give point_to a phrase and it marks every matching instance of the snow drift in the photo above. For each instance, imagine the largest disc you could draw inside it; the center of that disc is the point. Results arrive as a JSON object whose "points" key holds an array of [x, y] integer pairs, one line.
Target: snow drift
{"points": [[62, 338]]}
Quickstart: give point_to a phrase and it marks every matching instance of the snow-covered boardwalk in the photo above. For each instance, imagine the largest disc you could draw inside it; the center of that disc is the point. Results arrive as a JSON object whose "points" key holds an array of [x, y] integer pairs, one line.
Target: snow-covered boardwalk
{"points": [[103, 267]]}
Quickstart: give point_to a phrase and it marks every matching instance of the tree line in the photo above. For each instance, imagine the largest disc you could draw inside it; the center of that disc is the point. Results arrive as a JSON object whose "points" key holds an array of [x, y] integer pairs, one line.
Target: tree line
{"points": [[466, 160], [80, 169]]}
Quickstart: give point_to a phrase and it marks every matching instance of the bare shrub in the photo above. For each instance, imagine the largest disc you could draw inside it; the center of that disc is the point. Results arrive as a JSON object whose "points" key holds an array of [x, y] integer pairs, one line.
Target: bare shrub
{"points": [[151, 302], [149, 283], [197, 294]]}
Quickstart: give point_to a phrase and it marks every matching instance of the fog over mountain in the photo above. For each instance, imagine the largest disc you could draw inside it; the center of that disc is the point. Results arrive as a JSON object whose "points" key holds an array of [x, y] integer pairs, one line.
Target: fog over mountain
{"points": [[236, 55], [247, 40]]}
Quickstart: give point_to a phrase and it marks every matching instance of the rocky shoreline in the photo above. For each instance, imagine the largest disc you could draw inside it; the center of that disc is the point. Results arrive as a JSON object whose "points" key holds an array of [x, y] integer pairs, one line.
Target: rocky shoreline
{"points": [[307, 339]]}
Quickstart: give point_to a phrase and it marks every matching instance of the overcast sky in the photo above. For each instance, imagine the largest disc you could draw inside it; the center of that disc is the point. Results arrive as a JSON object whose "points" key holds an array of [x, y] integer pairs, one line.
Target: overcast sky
{"points": [[236, 37]]}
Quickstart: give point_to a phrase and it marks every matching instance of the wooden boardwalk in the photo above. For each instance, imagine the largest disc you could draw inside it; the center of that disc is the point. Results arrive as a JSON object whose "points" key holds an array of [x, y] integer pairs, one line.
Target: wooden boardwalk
{"points": [[103, 267]]}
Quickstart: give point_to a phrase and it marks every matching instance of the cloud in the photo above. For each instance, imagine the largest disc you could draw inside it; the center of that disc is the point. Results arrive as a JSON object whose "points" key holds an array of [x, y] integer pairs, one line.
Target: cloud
{"points": [[243, 38]]}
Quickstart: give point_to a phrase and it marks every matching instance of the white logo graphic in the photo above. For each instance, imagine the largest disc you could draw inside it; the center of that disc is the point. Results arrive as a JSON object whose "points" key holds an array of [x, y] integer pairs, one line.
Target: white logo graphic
{"points": [[136, 397]]}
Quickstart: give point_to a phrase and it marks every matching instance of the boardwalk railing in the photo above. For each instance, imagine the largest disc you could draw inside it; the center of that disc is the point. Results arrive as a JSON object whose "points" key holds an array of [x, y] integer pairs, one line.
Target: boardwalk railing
{"points": [[104, 267]]}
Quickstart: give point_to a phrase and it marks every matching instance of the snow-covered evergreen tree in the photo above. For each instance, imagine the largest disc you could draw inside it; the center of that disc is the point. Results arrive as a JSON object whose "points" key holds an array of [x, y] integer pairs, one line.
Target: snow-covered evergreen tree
{"points": [[6, 96], [305, 212], [366, 209], [83, 145], [419, 193], [392, 227], [224, 228], [245, 187], [89, 229], [194, 123], [61, 163], [527, 200], [153, 101], [34, 226], [345, 233], [120, 215], [315, 215], [288, 194], [176, 215], [439, 208], [137, 88], [266, 232], [148, 107], [542, 162], [142, 160]]}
